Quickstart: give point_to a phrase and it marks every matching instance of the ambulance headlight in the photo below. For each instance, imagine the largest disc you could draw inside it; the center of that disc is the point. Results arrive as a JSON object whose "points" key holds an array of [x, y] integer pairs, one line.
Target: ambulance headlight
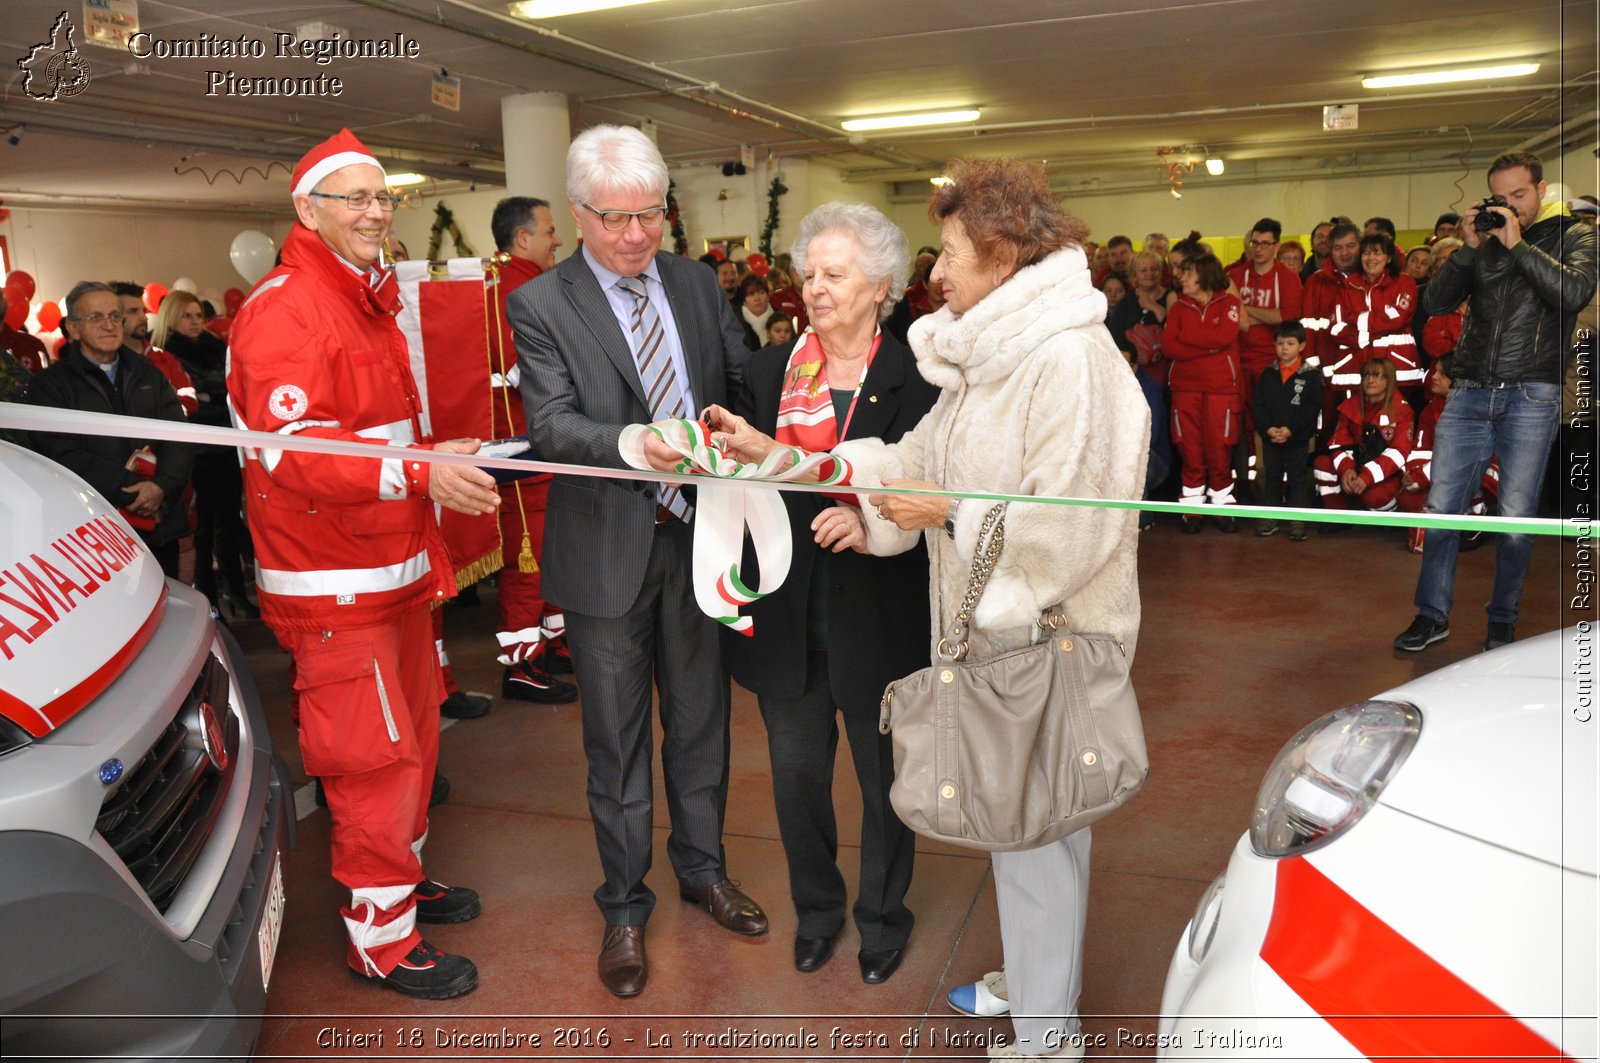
{"points": [[1330, 774]]}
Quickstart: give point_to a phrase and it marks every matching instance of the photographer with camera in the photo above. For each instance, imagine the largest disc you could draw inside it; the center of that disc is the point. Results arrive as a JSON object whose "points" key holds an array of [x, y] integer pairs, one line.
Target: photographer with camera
{"points": [[1529, 268]]}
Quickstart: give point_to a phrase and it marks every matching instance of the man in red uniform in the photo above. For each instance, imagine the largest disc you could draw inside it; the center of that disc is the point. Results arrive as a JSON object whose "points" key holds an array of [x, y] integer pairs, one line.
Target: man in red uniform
{"points": [[1269, 294], [531, 631], [349, 554], [1329, 336]]}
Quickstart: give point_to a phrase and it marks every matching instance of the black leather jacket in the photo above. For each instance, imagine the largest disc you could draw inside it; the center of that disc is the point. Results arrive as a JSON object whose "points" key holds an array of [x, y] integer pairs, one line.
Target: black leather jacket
{"points": [[1524, 301]]}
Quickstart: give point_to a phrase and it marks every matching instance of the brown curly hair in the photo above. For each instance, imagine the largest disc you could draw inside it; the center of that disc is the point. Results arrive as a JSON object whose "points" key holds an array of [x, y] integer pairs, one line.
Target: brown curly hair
{"points": [[1006, 202]]}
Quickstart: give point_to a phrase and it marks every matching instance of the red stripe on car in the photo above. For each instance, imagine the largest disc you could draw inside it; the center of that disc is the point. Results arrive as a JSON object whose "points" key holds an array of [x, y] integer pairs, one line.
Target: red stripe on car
{"points": [[61, 709], [1381, 992]]}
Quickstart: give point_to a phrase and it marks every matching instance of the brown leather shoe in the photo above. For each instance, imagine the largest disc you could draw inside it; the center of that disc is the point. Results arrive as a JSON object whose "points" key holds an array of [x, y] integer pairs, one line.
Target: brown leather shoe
{"points": [[622, 965], [728, 906]]}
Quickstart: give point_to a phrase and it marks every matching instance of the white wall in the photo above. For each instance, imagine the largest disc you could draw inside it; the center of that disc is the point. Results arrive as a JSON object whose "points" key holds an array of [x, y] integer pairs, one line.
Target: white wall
{"points": [[59, 248]]}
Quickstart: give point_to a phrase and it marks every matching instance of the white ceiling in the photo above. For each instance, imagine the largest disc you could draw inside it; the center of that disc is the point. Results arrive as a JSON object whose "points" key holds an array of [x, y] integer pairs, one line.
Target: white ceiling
{"points": [[1092, 86]]}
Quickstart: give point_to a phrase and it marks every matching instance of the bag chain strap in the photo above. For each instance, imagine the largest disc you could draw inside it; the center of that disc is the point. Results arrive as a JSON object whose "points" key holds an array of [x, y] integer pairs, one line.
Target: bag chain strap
{"points": [[991, 540]]}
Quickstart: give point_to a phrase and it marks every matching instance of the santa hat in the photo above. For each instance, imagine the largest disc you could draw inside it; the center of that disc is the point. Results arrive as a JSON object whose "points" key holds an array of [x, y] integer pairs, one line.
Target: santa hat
{"points": [[338, 151]]}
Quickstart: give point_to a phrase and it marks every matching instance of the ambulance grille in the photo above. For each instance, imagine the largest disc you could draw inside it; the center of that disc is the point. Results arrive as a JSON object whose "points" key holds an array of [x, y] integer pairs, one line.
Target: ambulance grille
{"points": [[159, 818]]}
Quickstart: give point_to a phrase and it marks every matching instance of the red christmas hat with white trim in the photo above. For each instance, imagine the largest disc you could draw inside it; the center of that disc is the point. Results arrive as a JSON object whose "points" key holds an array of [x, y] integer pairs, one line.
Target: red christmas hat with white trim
{"points": [[338, 151]]}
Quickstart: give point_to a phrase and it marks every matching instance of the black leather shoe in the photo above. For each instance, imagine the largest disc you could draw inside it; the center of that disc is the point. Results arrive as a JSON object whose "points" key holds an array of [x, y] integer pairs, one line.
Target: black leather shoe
{"points": [[463, 706], [811, 953], [1190, 525], [878, 966]]}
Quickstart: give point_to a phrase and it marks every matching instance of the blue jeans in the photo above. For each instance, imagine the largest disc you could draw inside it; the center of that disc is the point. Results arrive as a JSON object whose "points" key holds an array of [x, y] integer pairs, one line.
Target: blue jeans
{"points": [[1516, 424]]}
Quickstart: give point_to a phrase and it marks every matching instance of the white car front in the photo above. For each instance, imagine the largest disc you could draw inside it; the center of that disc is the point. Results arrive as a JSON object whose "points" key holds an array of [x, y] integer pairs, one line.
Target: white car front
{"points": [[1420, 879]]}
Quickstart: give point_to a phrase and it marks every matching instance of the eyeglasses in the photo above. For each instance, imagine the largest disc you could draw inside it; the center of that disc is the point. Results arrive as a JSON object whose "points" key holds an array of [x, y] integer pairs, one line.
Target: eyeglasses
{"points": [[97, 319], [1375, 374], [617, 220], [363, 200], [1263, 243]]}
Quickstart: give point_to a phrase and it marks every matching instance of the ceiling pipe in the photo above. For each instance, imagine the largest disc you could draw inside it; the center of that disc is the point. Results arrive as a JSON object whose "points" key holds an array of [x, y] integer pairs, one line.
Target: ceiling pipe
{"points": [[1560, 132], [692, 89]]}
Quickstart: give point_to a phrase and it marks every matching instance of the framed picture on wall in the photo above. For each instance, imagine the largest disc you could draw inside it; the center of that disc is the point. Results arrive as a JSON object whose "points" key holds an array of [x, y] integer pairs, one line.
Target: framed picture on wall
{"points": [[727, 245]]}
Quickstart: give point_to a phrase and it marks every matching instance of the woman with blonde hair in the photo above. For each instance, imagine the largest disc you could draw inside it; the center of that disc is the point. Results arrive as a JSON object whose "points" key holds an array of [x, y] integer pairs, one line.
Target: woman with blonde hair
{"points": [[1369, 448]]}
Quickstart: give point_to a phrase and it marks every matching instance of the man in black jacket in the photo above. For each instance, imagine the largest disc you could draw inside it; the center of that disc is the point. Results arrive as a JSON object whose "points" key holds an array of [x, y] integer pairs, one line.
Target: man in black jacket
{"points": [[145, 477], [1529, 268]]}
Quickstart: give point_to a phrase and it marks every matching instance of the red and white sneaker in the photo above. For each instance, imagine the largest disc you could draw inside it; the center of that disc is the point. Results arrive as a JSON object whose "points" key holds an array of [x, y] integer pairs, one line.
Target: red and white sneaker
{"points": [[524, 681]]}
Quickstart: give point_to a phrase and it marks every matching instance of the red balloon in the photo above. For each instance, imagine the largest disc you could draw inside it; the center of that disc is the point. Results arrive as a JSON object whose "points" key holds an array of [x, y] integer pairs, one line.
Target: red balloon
{"points": [[16, 311], [758, 263], [21, 283], [232, 299], [55, 348], [49, 316], [719, 254], [153, 294]]}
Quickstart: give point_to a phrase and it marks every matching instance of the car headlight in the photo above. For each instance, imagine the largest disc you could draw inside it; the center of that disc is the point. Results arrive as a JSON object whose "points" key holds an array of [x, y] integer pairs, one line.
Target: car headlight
{"points": [[1330, 774], [1203, 927]]}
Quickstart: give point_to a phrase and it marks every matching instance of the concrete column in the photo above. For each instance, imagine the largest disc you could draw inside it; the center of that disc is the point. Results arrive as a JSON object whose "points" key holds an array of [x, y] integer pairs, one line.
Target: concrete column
{"points": [[537, 132]]}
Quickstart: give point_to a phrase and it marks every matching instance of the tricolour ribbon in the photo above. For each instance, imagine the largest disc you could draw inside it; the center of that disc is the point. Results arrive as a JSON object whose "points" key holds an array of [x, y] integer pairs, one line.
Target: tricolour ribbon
{"points": [[725, 508]]}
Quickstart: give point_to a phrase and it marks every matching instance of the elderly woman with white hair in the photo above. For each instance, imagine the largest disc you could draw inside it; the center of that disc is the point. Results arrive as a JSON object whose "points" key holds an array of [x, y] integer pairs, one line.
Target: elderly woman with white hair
{"points": [[844, 624]]}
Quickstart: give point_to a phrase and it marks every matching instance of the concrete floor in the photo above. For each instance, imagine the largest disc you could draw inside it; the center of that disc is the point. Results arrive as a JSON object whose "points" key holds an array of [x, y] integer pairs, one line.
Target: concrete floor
{"points": [[1243, 642]]}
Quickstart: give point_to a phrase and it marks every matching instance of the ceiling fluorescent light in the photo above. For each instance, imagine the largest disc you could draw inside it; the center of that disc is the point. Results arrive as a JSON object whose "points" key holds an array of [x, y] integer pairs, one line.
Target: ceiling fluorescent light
{"points": [[1214, 166], [941, 181], [909, 121], [1445, 77], [532, 10], [400, 180]]}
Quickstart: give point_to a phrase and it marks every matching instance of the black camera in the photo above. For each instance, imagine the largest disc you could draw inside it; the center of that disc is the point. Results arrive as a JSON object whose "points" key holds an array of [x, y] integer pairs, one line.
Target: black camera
{"points": [[1487, 220]]}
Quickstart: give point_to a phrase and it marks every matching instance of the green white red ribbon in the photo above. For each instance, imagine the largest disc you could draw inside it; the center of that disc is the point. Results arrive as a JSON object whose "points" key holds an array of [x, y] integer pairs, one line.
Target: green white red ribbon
{"points": [[725, 509]]}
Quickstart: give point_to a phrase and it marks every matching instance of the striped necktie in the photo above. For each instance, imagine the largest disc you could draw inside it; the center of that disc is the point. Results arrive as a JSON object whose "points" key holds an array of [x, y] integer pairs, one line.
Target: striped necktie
{"points": [[663, 394]]}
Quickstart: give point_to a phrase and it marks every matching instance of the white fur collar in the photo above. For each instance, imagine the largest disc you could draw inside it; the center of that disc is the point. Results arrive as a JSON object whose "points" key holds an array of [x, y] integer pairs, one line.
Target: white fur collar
{"points": [[988, 341]]}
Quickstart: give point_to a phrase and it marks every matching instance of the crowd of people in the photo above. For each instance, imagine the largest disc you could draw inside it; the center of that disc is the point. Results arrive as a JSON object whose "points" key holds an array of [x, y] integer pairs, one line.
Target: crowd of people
{"points": [[1017, 356]]}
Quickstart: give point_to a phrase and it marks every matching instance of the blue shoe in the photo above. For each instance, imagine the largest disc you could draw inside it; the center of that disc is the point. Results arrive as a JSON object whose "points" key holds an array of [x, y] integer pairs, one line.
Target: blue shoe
{"points": [[984, 999]]}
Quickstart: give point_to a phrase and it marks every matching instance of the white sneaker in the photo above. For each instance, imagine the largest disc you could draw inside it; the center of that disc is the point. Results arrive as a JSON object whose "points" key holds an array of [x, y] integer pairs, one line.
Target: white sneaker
{"points": [[1072, 1051], [984, 999]]}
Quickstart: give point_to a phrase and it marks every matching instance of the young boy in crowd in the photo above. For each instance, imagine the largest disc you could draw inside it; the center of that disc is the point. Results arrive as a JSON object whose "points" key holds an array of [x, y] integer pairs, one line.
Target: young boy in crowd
{"points": [[1287, 402], [780, 328]]}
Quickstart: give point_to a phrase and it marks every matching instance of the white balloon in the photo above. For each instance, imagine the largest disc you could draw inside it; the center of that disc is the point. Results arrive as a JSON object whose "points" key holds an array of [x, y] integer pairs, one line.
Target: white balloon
{"points": [[186, 284], [252, 253]]}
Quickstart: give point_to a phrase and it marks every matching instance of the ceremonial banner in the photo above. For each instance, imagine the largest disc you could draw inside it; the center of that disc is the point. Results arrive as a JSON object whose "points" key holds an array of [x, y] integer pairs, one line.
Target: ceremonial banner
{"points": [[447, 331]]}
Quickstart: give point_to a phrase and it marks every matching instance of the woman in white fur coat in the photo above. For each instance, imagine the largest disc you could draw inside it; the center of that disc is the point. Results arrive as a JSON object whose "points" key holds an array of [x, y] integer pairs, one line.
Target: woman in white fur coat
{"points": [[1035, 399]]}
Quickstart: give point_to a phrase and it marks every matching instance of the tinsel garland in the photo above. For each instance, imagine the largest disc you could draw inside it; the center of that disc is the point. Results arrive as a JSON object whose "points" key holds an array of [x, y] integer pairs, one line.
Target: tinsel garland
{"points": [[443, 220], [778, 188]]}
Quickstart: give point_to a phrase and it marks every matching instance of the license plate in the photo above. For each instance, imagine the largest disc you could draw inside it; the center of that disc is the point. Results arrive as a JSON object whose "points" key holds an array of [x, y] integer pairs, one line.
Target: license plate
{"points": [[271, 921]]}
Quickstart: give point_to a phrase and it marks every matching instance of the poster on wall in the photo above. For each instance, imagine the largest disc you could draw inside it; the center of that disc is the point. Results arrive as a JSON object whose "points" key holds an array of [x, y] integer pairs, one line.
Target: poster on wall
{"points": [[110, 23]]}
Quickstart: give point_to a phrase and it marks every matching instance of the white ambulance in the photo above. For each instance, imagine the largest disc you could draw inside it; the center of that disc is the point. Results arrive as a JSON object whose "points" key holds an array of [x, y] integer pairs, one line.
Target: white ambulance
{"points": [[144, 818], [1419, 881]]}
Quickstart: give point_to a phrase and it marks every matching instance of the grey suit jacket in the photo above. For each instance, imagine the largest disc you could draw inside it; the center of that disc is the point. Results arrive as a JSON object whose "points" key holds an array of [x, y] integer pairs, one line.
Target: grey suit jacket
{"points": [[580, 386]]}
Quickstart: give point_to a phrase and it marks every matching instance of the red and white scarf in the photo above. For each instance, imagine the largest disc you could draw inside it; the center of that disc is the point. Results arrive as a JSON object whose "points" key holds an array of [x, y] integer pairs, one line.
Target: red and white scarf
{"points": [[806, 415]]}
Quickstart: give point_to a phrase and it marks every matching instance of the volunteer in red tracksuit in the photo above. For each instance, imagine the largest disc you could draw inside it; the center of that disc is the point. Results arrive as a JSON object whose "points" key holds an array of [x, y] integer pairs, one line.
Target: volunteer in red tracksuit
{"points": [[349, 554], [530, 628], [1381, 300], [1353, 471], [1201, 339], [1419, 463], [1329, 336], [1269, 293]]}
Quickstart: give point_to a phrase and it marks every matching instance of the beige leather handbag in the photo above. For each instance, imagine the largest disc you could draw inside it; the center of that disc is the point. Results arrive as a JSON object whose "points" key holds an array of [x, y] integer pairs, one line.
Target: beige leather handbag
{"points": [[1019, 750]]}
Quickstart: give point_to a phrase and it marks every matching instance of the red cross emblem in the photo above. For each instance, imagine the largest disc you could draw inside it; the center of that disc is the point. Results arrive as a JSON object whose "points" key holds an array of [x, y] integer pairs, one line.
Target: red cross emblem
{"points": [[287, 402]]}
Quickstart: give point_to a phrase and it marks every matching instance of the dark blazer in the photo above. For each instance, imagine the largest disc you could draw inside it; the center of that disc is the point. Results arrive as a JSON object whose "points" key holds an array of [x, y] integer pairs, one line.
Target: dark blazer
{"points": [[73, 383], [877, 606], [580, 387]]}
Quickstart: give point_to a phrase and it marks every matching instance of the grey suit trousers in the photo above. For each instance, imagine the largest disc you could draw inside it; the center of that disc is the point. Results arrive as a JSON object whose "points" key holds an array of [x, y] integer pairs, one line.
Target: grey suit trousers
{"points": [[666, 634]]}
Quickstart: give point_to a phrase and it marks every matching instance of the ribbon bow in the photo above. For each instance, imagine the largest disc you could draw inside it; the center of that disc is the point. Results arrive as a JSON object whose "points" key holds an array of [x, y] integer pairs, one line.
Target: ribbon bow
{"points": [[725, 511]]}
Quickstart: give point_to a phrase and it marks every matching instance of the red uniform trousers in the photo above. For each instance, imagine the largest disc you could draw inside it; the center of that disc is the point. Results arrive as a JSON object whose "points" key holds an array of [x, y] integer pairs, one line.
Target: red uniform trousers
{"points": [[1379, 496], [523, 610], [1205, 426], [369, 729]]}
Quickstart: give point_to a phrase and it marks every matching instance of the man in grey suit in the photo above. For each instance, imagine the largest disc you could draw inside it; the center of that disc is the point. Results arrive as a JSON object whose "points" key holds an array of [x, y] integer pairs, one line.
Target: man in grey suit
{"points": [[622, 333]]}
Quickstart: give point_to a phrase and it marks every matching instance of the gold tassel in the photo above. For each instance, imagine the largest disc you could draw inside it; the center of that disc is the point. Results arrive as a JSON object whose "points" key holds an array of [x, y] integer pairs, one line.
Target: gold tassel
{"points": [[526, 562]]}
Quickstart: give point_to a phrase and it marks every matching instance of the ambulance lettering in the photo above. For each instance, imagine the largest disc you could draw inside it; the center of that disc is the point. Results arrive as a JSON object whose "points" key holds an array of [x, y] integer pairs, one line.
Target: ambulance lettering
{"points": [[35, 595]]}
